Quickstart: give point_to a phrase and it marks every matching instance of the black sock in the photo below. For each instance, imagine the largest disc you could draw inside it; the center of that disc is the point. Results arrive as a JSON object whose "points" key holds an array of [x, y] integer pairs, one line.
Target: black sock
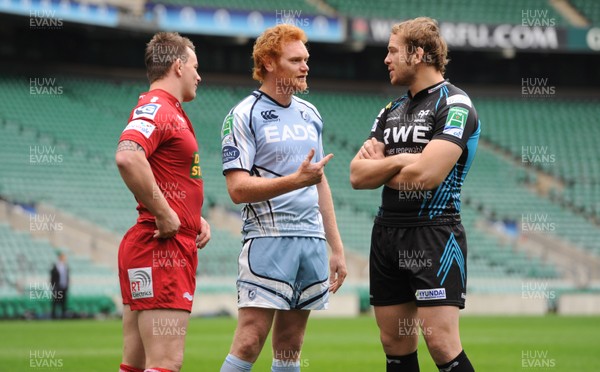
{"points": [[403, 363], [459, 364]]}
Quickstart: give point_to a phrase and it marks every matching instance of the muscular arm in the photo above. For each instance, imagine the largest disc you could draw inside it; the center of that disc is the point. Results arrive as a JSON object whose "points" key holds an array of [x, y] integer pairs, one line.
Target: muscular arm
{"points": [[372, 173], [137, 175], [431, 167], [424, 171], [396, 180], [337, 262], [370, 168], [244, 188]]}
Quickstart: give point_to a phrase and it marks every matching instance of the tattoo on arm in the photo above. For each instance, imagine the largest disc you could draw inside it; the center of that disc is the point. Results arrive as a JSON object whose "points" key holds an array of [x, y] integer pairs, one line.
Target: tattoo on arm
{"points": [[129, 146]]}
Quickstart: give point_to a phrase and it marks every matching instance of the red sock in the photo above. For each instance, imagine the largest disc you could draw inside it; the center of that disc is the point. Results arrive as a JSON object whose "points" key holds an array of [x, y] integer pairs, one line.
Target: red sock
{"points": [[126, 368], [157, 370]]}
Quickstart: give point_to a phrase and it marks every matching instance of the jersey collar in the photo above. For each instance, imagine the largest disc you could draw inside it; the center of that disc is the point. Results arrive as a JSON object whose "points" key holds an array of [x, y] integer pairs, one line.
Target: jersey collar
{"points": [[261, 93], [430, 89], [166, 95]]}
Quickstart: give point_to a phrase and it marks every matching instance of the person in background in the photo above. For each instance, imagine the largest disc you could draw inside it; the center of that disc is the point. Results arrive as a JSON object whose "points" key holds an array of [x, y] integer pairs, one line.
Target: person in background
{"points": [[59, 282]]}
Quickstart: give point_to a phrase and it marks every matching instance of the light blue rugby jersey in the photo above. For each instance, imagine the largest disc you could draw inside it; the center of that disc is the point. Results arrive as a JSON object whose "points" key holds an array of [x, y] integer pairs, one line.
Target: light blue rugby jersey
{"points": [[270, 140]]}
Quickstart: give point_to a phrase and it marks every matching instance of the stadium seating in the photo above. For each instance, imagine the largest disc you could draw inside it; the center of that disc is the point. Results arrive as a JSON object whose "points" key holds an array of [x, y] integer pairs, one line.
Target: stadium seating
{"points": [[265, 5], [589, 9], [93, 112], [25, 266], [536, 134], [486, 11], [220, 258], [493, 184]]}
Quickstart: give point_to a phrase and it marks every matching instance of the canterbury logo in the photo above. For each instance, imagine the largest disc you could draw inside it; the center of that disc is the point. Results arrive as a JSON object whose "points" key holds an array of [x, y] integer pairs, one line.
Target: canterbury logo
{"points": [[268, 115]]}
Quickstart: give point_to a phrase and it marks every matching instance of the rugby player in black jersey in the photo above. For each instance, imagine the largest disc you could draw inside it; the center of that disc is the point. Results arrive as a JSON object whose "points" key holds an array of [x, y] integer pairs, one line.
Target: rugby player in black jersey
{"points": [[420, 149]]}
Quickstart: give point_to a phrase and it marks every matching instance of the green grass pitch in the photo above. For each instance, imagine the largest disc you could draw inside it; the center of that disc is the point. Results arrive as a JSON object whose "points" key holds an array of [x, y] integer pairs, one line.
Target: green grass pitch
{"points": [[549, 343]]}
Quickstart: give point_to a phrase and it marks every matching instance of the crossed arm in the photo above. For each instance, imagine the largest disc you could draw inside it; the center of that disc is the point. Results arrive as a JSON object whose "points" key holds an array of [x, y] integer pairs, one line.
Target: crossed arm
{"points": [[371, 169]]}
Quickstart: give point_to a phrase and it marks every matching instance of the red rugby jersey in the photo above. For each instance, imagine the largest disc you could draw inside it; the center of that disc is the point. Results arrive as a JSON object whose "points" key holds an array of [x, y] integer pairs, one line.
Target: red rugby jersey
{"points": [[159, 124]]}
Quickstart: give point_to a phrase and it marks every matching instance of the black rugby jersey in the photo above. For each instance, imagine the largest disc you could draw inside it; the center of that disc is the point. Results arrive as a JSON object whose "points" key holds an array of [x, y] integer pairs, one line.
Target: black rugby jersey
{"points": [[406, 125]]}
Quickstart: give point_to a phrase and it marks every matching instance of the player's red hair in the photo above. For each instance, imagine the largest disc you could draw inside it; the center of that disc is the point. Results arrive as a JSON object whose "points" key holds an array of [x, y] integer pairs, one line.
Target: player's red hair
{"points": [[269, 46], [424, 32]]}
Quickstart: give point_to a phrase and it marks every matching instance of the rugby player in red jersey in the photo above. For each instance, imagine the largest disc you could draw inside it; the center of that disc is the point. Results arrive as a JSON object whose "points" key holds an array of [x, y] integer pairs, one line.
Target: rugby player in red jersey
{"points": [[158, 159]]}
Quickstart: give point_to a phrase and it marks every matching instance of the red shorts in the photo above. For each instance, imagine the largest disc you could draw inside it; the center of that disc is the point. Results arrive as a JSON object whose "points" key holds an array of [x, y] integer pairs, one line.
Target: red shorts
{"points": [[157, 273]]}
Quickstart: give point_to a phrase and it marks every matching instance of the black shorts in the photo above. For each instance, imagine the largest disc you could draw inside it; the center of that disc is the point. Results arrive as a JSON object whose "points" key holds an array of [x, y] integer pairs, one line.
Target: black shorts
{"points": [[425, 264]]}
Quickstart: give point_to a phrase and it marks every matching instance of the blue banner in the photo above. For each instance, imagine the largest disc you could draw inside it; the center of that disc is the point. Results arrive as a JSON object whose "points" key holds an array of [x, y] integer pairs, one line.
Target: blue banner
{"points": [[50, 14], [236, 23]]}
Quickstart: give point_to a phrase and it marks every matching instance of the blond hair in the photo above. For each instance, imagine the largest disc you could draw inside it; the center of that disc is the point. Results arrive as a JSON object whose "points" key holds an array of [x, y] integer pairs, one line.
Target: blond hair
{"points": [[424, 32]]}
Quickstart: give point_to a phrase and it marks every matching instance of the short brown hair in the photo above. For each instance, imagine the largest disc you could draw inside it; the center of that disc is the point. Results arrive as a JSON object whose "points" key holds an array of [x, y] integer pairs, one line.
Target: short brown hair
{"points": [[269, 45], [164, 49], [424, 32]]}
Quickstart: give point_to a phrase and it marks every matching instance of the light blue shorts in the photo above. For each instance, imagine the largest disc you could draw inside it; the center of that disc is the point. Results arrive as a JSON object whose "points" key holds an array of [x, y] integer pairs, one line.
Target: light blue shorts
{"points": [[284, 273]]}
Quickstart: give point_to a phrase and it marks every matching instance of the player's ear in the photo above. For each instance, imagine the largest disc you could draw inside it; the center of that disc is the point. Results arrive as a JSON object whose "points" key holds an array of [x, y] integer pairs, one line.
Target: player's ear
{"points": [[419, 55], [269, 64], [178, 67]]}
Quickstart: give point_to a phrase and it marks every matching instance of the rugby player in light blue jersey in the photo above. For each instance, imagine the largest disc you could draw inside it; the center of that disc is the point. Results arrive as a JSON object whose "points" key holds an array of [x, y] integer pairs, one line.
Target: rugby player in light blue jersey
{"points": [[273, 162]]}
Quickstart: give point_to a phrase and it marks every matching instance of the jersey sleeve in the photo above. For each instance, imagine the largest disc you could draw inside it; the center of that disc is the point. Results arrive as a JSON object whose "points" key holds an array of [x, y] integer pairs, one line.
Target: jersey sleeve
{"points": [[456, 120], [143, 130], [319, 151], [238, 143], [379, 124]]}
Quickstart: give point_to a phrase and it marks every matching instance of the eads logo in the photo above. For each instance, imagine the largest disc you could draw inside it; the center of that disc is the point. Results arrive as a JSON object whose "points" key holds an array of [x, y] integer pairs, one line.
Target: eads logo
{"points": [[269, 115]]}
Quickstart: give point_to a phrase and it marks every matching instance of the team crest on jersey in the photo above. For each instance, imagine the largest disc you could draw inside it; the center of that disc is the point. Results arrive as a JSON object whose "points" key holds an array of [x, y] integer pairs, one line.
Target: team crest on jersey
{"points": [[423, 113], [456, 121], [304, 115], [140, 281], [146, 111]]}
